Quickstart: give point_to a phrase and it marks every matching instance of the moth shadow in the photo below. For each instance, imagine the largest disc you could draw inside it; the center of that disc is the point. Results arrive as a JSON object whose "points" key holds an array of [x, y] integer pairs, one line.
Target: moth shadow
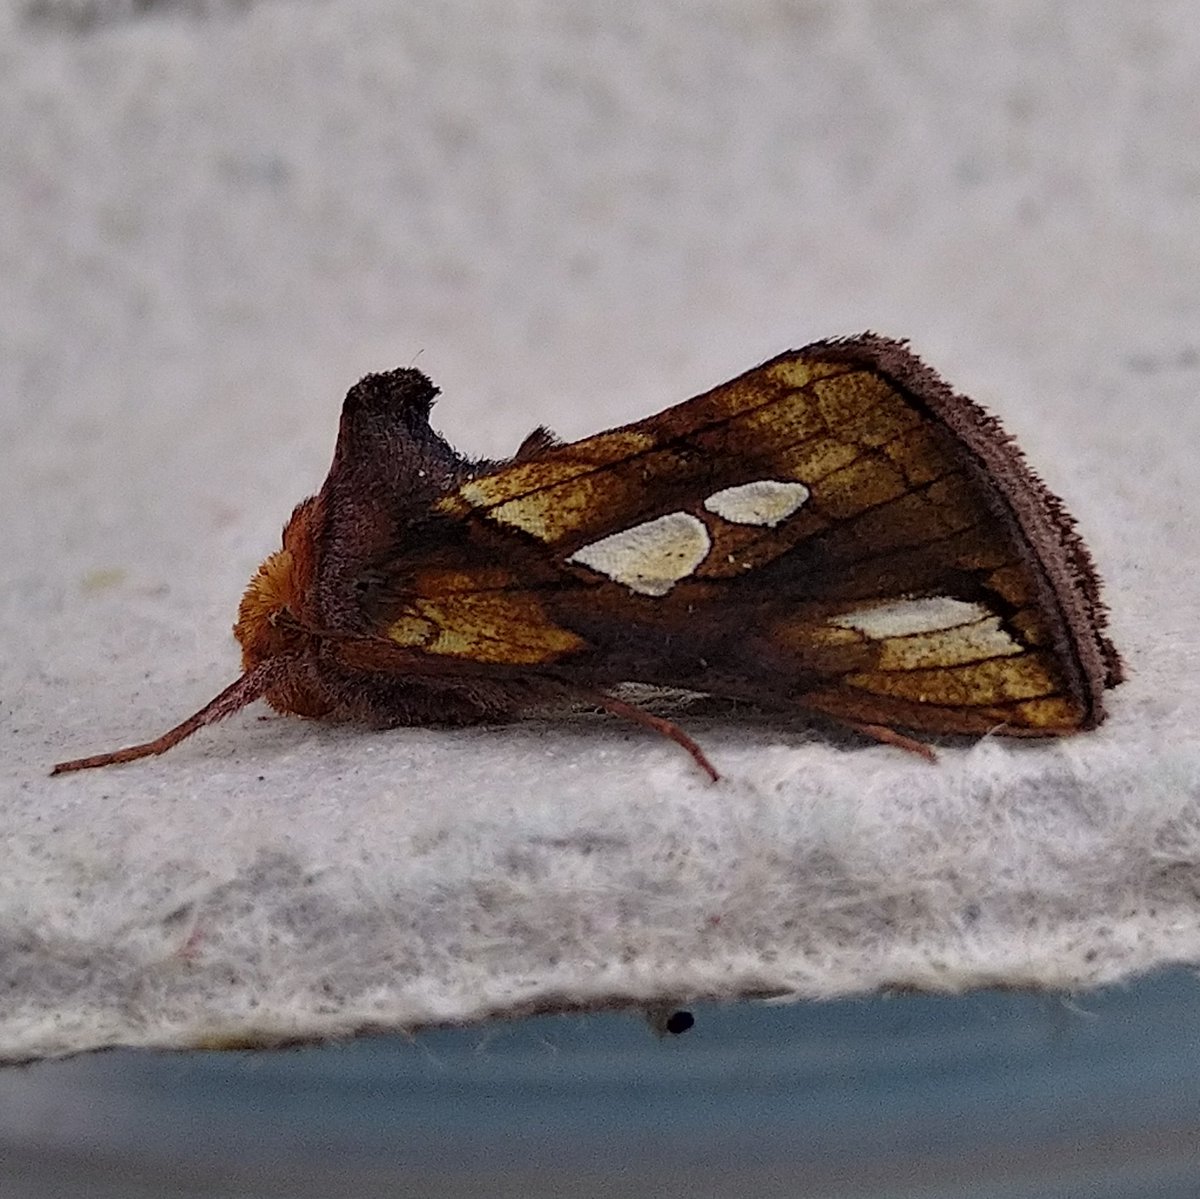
{"points": [[713, 719], [710, 718]]}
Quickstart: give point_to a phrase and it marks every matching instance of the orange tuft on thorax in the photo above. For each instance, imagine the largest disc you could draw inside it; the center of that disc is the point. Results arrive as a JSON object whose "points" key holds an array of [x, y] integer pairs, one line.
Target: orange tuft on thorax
{"points": [[270, 592], [277, 591]]}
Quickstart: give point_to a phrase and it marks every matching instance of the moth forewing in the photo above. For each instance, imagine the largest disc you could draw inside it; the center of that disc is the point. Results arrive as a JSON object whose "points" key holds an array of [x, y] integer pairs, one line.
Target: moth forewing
{"points": [[834, 531], [838, 480]]}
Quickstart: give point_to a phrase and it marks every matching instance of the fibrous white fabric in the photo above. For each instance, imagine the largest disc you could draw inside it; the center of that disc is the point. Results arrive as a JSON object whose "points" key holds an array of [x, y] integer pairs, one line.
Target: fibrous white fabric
{"points": [[216, 220]]}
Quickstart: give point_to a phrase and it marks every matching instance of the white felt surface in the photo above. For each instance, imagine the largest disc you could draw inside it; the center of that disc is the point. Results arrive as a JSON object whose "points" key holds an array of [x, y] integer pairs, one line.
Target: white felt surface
{"points": [[216, 217]]}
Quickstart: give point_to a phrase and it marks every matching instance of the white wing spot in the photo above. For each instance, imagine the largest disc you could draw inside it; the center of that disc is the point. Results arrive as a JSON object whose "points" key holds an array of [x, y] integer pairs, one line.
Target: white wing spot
{"points": [[904, 618], [649, 558], [763, 502]]}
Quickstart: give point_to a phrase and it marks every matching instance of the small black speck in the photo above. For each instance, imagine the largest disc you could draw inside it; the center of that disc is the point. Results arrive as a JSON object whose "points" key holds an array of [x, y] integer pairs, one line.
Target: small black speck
{"points": [[679, 1022]]}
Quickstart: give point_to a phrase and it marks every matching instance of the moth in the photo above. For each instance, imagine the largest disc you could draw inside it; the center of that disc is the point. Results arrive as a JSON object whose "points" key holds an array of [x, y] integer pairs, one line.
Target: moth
{"points": [[835, 532]]}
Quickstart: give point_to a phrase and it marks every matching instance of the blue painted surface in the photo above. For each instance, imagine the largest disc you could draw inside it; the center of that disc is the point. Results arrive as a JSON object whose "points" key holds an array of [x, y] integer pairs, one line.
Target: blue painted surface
{"points": [[1006, 1096]]}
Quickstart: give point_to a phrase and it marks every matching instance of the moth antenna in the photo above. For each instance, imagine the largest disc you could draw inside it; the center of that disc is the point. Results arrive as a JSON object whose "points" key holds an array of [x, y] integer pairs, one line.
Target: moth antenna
{"points": [[237, 695]]}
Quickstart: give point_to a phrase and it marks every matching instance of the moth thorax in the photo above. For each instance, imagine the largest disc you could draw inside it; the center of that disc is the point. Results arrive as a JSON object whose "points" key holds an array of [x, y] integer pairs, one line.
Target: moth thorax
{"points": [[270, 594]]}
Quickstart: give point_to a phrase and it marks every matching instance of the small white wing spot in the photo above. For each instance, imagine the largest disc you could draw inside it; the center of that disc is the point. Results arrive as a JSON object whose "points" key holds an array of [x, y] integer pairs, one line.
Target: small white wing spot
{"points": [[929, 614], [763, 502], [649, 558]]}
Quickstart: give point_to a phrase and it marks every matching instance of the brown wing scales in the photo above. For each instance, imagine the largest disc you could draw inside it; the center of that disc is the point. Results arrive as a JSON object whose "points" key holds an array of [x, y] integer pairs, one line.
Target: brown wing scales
{"points": [[900, 509]]}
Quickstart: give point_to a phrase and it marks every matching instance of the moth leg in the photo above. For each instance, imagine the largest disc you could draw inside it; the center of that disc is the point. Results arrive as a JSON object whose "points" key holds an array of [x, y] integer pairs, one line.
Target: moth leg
{"points": [[887, 736], [665, 728]]}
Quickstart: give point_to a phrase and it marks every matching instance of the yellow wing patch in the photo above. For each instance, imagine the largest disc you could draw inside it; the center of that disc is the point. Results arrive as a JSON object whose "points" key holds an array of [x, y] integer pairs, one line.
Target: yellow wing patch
{"points": [[934, 662], [481, 617], [950, 647], [973, 684]]}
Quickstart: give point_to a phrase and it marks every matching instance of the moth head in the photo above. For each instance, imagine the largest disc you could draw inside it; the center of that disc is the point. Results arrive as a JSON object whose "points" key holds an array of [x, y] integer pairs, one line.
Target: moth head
{"points": [[273, 637], [270, 616]]}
